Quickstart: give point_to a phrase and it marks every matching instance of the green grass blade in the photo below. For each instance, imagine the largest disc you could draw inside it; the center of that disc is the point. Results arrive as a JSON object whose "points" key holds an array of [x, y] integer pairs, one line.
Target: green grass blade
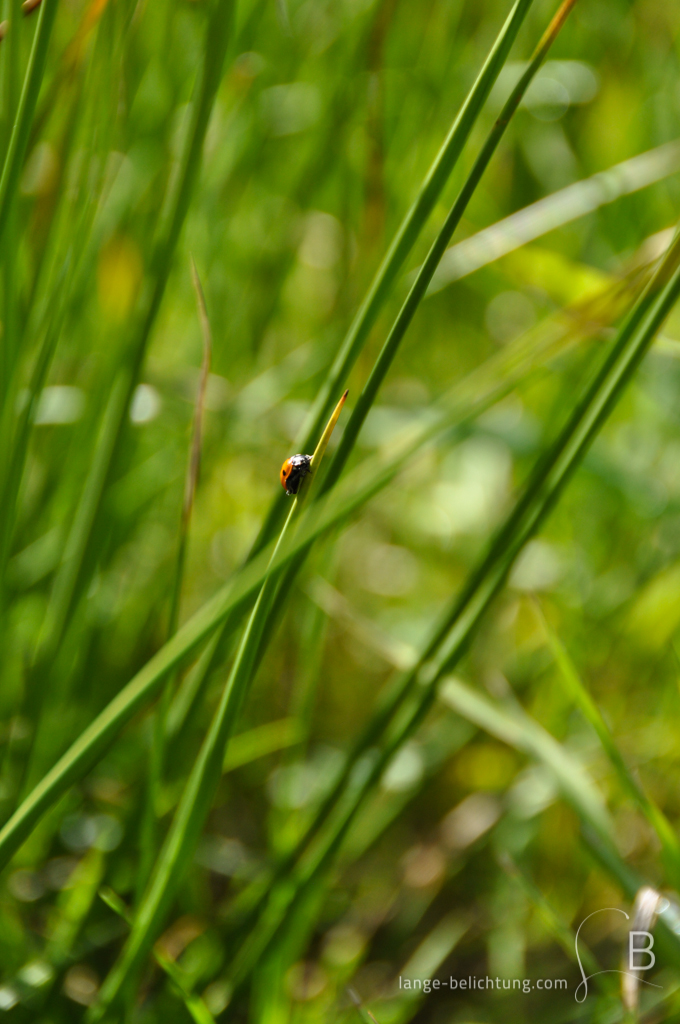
{"points": [[426, 960], [205, 774], [74, 906], [554, 211], [96, 738], [48, 314], [261, 741], [159, 730], [404, 240], [193, 465], [555, 467], [426, 273], [65, 585], [420, 285], [69, 580], [192, 687], [514, 727], [10, 78], [197, 1009], [577, 692], [21, 129], [410, 228], [12, 465]]}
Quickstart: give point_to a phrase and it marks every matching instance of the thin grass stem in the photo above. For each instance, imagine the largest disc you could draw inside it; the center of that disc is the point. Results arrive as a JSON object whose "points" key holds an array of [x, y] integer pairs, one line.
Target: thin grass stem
{"points": [[407, 234], [205, 774], [159, 726]]}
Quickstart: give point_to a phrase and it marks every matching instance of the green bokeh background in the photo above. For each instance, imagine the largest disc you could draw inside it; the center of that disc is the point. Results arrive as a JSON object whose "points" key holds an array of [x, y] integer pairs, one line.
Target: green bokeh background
{"points": [[326, 120]]}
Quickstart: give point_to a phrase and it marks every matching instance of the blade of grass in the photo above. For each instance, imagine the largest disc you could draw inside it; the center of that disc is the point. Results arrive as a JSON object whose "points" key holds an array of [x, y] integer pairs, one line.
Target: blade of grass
{"points": [[47, 313], [196, 1008], [388, 703], [283, 898], [90, 745], [71, 58], [66, 579], [554, 211], [427, 271], [43, 321], [284, 827], [74, 905], [14, 458], [554, 468], [193, 686], [71, 99], [426, 959], [16, 151], [202, 782], [11, 84], [148, 841], [404, 240], [577, 692], [440, 744], [68, 583], [46, 321], [262, 740], [365, 1014], [410, 228], [419, 289], [514, 727], [511, 726], [70, 579], [193, 467], [294, 885]]}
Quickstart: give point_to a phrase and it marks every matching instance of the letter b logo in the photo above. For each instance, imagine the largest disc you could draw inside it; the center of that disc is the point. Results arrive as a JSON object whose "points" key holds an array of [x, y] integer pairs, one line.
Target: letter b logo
{"points": [[641, 949]]}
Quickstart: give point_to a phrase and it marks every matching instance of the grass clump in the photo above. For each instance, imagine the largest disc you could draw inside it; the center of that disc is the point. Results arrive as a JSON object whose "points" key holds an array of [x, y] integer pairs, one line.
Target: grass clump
{"points": [[305, 747]]}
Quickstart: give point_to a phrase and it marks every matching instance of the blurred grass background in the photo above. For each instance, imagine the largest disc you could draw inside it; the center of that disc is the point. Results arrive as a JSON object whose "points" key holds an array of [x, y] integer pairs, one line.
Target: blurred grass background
{"points": [[468, 859]]}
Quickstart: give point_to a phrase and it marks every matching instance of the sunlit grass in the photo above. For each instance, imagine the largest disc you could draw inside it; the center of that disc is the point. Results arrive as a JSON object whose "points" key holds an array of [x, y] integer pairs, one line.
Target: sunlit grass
{"points": [[246, 734]]}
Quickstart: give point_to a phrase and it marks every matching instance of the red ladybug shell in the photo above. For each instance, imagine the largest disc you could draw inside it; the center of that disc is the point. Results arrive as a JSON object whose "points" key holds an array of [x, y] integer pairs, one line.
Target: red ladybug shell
{"points": [[293, 472]]}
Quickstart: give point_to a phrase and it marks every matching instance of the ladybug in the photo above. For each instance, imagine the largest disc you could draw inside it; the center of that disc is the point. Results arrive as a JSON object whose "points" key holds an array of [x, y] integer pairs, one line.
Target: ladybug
{"points": [[293, 472]]}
